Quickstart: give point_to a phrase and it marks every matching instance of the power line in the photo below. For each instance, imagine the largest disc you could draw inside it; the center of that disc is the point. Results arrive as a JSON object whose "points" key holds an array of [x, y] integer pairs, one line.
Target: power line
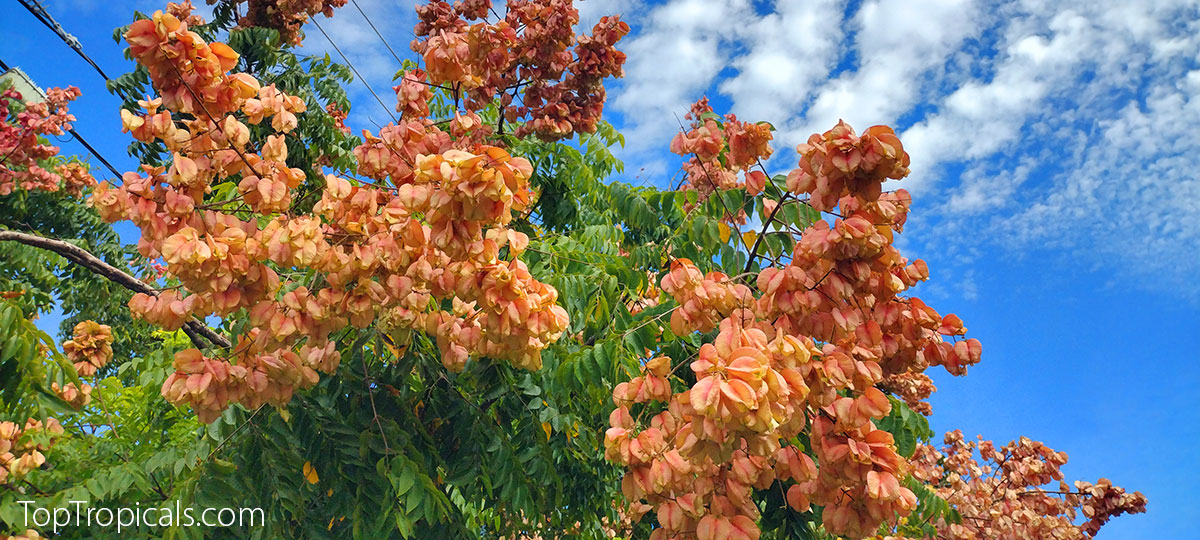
{"points": [[94, 152], [40, 13], [78, 137], [385, 43], [354, 69]]}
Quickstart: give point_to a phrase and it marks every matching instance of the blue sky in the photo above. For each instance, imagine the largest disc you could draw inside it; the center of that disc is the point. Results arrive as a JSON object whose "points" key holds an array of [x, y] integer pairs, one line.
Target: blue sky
{"points": [[1056, 172]]}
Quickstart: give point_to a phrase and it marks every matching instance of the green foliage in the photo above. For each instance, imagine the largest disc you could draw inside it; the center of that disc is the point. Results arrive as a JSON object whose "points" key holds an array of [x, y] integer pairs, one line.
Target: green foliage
{"points": [[26, 369], [49, 283], [908, 427], [780, 522], [931, 510], [127, 448], [393, 445]]}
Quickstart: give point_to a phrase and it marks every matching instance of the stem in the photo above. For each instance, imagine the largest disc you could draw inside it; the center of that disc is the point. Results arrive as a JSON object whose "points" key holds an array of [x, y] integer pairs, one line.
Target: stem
{"points": [[762, 234], [234, 432], [193, 328], [387, 450]]}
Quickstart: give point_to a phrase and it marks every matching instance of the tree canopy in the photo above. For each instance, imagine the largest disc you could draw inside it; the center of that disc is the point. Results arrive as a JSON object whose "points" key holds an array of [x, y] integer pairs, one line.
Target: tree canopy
{"points": [[461, 325]]}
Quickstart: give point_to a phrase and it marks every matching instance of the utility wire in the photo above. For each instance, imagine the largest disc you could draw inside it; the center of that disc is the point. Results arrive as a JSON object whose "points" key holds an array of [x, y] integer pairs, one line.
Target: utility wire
{"points": [[385, 43], [78, 137], [354, 69], [39, 13], [94, 152]]}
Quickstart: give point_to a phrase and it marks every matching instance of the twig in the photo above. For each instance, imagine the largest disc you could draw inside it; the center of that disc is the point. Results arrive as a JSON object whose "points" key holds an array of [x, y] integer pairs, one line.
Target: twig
{"points": [[234, 432], [367, 378], [193, 328], [761, 235]]}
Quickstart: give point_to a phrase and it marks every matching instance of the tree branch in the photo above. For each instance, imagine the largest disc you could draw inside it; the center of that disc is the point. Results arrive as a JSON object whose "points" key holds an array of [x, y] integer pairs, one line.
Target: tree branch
{"points": [[763, 233], [193, 328]]}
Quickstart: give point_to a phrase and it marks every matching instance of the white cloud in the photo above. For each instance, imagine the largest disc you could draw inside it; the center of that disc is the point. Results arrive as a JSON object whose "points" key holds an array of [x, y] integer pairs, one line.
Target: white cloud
{"points": [[790, 52], [1032, 124], [1080, 144], [1134, 200], [900, 45], [368, 53], [590, 11], [681, 48], [981, 118], [783, 60]]}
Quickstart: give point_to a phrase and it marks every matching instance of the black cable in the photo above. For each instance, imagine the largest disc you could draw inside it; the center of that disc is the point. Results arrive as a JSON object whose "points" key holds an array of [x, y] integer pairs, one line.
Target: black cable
{"points": [[35, 8], [385, 43], [78, 137], [354, 69], [81, 141], [85, 144]]}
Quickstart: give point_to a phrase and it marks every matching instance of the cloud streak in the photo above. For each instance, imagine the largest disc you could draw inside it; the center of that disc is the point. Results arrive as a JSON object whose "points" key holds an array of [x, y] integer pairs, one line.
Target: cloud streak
{"points": [[1031, 124], [368, 53]]}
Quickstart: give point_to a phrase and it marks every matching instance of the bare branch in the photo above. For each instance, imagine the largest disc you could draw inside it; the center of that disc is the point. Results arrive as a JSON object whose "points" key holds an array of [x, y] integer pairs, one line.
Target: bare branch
{"points": [[193, 328], [763, 233]]}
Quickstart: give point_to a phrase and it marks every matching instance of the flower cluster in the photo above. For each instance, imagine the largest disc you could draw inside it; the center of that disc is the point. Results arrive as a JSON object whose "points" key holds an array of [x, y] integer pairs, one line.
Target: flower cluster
{"points": [[803, 353], [420, 248], [21, 452], [531, 60], [286, 16], [77, 396], [704, 299], [22, 149], [1007, 492], [912, 388], [839, 160], [21, 448], [190, 74], [211, 384], [721, 149], [89, 348], [413, 95]]}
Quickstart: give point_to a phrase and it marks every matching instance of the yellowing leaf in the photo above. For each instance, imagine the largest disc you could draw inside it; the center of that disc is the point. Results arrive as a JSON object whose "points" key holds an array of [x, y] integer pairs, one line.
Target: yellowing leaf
{"points": [[725, 231], [310, 473], [397, 343], [546, 428], [749, 237]]}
